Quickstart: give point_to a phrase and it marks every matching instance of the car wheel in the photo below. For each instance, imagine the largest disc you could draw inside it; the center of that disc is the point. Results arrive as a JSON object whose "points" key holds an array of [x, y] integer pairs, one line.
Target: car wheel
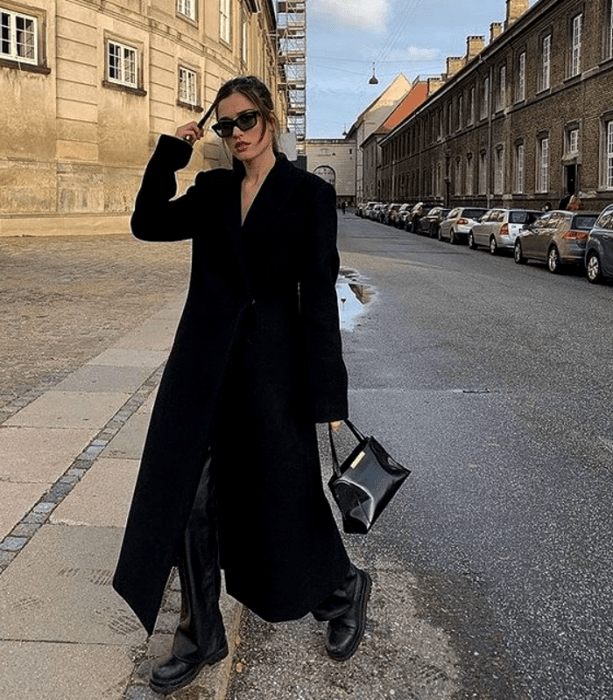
{"points": [[518, 256], [471, 241], [593, 268], [493, 246], [553, 260], [440, 234], [451, 236]]}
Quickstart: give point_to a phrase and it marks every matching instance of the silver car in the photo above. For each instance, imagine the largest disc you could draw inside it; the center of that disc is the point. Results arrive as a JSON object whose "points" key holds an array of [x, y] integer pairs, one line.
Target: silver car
{"points": [[557, 238], [599, 248], [498, 228], [458, 223]]}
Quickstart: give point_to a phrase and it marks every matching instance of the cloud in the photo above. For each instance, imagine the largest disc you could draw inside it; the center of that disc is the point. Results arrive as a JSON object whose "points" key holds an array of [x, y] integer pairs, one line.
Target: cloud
{"points": [[365, 14]]}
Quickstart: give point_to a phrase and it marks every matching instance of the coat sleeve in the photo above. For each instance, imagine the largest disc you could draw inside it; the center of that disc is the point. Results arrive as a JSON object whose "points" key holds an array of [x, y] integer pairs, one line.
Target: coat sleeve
{"points": [[319, 310], [156, 216]]}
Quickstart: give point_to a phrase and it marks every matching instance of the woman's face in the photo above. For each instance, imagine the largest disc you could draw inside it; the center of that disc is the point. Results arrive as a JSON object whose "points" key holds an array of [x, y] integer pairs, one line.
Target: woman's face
{"points": [[250, 144]]}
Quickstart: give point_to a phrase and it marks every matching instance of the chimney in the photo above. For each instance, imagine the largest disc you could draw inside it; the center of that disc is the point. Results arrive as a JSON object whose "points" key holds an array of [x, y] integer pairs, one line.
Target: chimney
{"points": [[434, 83], [474, 46], [515, 9], [495, 30], [454, 64]]}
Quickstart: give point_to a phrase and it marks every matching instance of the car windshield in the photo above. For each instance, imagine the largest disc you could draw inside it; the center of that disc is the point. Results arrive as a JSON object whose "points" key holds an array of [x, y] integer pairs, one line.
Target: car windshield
{"points": [[584, 221]]}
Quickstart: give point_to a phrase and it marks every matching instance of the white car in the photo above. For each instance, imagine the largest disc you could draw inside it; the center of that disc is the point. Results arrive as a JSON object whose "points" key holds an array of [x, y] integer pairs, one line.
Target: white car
{"points": [[458, 223], [498, 228]]}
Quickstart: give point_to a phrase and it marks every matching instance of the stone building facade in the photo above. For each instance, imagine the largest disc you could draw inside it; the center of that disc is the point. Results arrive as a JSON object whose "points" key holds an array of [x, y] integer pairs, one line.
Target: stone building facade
{"points": [[89, 85], [335, 161], [519, 122]]}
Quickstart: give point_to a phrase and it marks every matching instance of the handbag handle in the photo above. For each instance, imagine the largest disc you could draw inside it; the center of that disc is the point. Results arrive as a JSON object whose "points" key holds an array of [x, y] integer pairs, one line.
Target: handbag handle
{"points": [[335, 463]]}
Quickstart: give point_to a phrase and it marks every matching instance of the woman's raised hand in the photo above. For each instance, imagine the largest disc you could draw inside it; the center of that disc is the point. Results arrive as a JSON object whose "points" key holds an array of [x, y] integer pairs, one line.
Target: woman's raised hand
{"points": [[189, 132]]}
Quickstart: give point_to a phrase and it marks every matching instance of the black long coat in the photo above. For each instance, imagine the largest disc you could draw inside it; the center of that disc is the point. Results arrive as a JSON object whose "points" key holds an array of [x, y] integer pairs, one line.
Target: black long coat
{"points": [[256, 362]]}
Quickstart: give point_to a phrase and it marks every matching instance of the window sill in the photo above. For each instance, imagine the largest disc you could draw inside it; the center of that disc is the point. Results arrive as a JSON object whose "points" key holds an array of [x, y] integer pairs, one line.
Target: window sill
{"points": [[124, 88], [26, 67], [190, 20], [190, 107]]}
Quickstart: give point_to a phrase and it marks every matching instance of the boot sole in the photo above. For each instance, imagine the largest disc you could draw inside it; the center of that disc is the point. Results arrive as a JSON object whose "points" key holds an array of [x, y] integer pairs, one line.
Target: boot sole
{"points": [[186, 679], [360, 634]]}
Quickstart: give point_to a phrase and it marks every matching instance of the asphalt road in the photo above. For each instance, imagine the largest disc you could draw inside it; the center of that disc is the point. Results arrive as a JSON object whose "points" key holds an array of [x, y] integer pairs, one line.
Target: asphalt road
{"points": [[493, 381]]}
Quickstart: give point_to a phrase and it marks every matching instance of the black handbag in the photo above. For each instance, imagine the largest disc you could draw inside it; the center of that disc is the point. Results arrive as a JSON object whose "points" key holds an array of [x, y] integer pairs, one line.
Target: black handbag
{"points": [[365, 482]]}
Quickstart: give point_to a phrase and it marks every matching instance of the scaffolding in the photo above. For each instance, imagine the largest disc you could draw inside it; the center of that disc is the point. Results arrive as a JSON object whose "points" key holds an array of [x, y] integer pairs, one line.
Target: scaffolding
{"points": [[292, 59]]}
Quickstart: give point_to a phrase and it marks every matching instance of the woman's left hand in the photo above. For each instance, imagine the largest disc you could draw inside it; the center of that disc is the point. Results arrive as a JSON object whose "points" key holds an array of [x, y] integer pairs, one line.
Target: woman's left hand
{"points": [[335, 425]]}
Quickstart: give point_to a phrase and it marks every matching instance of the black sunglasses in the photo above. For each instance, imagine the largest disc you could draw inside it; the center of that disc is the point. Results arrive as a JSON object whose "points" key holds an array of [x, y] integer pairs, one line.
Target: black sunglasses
{"points": [[244, 121]]}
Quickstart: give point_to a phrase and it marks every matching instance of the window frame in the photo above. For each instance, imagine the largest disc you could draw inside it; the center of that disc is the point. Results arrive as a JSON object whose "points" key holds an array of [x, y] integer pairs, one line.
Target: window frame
{"points": [[186, 9], [520, 85], [519, 180], [119, 83], [606, 159], [543, 164], [225, 21], [11, 60], [501, 92], [183, 100], [544, 74], [576, 45]]}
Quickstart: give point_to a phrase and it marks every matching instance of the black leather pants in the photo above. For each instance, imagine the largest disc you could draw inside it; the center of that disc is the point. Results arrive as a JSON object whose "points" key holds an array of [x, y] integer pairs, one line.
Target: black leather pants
{"points": [[200, 632]]}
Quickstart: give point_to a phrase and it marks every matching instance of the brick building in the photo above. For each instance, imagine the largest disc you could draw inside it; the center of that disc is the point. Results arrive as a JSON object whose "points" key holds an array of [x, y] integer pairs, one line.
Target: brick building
{"points": [[518, 122], [88, 86]]}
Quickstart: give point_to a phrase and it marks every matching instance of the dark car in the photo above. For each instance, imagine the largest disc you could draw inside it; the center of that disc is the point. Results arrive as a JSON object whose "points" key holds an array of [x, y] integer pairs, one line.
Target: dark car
{"points": [[411, 223], [430, 223], [557, 238], [599, 247], [389, 212]]}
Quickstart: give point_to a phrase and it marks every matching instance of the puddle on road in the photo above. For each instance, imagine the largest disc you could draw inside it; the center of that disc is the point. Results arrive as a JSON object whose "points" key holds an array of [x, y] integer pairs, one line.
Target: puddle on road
{"points": [[352, 297]]}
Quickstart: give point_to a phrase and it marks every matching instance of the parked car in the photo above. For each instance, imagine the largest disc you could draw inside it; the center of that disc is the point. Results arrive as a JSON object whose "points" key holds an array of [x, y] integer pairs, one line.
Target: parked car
{"points": [[557, 238], [363, 209], [599, 248], [389, 211], [375, 211], [429, 224], [458, 223], [396, 213], [411, 222], [498, 228], [403, 214]]}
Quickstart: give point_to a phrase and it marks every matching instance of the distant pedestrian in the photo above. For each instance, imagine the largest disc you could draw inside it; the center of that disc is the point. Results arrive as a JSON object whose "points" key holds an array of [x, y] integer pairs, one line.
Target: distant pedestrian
{"points": [[547, 207], [574, 203], [230, 473], [343, 207], [564, 201]]}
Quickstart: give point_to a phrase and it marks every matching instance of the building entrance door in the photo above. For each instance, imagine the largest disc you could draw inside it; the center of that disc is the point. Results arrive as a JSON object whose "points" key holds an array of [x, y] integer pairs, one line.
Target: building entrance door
{"points": [[571, 178]]}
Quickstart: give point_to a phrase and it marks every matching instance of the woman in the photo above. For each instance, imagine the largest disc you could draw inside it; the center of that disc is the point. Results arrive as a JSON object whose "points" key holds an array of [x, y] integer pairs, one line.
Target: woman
{"points": [[230, 472]]}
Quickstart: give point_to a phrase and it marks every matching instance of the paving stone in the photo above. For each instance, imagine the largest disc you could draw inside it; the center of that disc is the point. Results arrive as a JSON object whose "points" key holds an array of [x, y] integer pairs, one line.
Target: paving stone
{"points": [[70, 409], [17, 499]]}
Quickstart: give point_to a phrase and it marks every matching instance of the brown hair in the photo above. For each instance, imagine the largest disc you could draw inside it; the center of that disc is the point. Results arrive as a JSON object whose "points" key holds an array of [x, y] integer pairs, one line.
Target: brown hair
{"points": [[257, 92]]}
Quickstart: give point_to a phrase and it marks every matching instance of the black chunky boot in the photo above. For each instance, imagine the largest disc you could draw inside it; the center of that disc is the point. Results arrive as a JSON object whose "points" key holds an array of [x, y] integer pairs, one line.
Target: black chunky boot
{"points": [[345, 611], [200, 638]]}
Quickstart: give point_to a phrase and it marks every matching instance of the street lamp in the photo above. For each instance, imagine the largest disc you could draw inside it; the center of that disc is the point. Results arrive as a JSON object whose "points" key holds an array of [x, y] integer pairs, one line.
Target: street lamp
{"points": [[373, 80]]}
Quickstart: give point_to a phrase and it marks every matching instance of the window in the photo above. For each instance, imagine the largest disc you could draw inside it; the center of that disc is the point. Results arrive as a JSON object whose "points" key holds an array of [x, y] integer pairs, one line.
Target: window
{"points": [[485, 102], [608, 155], [244, 39], [224, 20], [19, 38], [572, 142], [542, 170], [187, 8], [458, 177], [188, 86], [576, 32], [520, 91], [460, 112], [519, 168], [610, 31], [471, 106], [499, 171], [470, 174], [483, 172], [122, 66], [545, 67], [501, 95]]}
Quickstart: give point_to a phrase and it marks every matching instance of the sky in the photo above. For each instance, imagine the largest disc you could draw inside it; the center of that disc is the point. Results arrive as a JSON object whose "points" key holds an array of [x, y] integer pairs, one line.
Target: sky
{"points": [[413, 37]]}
